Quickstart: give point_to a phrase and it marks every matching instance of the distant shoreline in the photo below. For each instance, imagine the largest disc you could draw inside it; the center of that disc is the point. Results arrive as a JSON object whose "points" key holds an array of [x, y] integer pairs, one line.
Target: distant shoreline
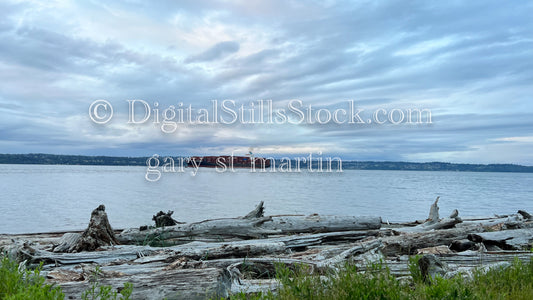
{"points": [[55, 159]]}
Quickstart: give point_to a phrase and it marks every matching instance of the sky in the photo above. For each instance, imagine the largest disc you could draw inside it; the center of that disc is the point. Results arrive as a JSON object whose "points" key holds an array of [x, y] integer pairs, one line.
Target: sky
{"points": [[469, 63]]}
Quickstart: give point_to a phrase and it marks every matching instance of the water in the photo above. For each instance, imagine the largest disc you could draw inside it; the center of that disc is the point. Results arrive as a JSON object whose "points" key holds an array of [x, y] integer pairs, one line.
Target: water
{"points": [[40, 198]]}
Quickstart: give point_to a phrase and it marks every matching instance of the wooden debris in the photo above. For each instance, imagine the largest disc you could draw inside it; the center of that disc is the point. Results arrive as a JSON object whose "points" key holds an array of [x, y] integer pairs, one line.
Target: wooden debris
{"points": [[525, 215], [162, 219], [318, 223], [258, 212], [431, 266], [437, 250], [99, 233], [156, 284], [408, 243], [434, 222], [507, 239], [215, 258], [68, 242]]}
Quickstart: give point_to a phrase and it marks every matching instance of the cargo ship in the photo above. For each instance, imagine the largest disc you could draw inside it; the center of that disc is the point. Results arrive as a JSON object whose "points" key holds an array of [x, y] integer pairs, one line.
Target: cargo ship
{"points": [[228, 161]]}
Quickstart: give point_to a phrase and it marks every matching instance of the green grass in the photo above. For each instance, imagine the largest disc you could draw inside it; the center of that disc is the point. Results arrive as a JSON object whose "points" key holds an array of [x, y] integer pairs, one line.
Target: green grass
{"points": [[298, 282], [514, 282], [19, 283]]}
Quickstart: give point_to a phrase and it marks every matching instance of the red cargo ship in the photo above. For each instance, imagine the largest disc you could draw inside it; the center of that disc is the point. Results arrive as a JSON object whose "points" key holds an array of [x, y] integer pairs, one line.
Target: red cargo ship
{"points": [[228, 161]]}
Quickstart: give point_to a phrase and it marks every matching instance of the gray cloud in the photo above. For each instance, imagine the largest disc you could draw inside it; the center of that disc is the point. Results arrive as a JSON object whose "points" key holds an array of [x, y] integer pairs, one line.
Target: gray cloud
{"points": [[470, 63], [217, 51]]}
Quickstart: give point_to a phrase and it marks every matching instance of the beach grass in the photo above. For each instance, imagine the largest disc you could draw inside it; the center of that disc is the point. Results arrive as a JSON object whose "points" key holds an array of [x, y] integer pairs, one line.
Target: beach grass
{"points": [[347, 282], [17, 282], [377, 282]]}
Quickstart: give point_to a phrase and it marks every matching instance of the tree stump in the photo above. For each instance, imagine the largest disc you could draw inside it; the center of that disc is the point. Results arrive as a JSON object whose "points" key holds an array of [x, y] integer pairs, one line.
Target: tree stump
{"points": [[99, 233], [162, 219]]}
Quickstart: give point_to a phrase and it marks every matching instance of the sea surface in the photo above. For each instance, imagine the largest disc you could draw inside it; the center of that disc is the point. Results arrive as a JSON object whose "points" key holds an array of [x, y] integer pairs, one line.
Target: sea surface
{"points": [[44, 198]]}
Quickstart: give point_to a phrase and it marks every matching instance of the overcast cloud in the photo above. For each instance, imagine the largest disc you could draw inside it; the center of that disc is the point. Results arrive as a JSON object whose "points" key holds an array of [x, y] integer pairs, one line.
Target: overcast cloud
{"points": [[469, 62]]}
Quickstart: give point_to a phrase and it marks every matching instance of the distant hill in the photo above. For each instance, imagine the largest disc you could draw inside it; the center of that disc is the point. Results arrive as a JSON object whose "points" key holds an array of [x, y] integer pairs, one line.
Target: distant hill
{"points": [[53, 159], [433, 166]]}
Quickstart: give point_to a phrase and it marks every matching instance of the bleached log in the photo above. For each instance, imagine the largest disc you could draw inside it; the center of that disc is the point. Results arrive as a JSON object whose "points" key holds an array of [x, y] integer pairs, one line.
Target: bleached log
{"points": [[252, 228], [444, 223], [507, 239], [159, 283], [318, 223], [221, 228], [408, 243], [193, 250], [462, 262], [434, 222], [358, 249], [68, 242]]}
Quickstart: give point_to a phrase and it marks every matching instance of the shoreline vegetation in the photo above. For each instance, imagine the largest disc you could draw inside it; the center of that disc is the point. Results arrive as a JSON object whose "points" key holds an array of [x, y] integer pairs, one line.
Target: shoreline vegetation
{"points": [[281, 257], [55, 159]]}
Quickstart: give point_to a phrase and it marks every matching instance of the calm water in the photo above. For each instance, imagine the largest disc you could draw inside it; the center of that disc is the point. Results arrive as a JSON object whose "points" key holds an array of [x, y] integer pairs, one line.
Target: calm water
{"points": [[37, 198]]}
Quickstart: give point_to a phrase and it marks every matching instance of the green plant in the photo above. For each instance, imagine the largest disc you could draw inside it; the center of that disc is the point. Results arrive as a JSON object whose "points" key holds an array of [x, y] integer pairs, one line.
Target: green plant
{"points": [[18, 282], [157, 239], [105, 292], [414, 269], [376, 282]]}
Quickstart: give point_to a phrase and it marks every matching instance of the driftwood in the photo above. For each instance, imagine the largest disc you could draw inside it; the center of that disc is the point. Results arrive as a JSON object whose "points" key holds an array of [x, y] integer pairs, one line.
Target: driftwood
{"points": [[507, 240], [525, 215], [219, 228], [317, 223], [193, 250], [253, 225], [410, 242], [462, 264], [215, 258], [434, 222], [160, 283], [358, 249], [162, 219], [99, 233], [430, 266], [258, 212]]}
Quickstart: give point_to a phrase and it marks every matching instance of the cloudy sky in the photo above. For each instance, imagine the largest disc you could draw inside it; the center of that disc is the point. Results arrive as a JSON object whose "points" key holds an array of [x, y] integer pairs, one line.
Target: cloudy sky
{"points": [[469, 62]]}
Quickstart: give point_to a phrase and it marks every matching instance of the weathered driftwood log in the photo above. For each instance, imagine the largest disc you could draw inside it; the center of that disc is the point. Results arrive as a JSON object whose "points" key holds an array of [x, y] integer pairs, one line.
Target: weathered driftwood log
{"points": [[193, 250], [434, 222], [68, 242], [253, 225], [160, 283], [258, 212], [408, 243], [20, 250], [358, 249], [318, 223], [221, 228], [507, 239], [99, 233], [463, 262]]}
